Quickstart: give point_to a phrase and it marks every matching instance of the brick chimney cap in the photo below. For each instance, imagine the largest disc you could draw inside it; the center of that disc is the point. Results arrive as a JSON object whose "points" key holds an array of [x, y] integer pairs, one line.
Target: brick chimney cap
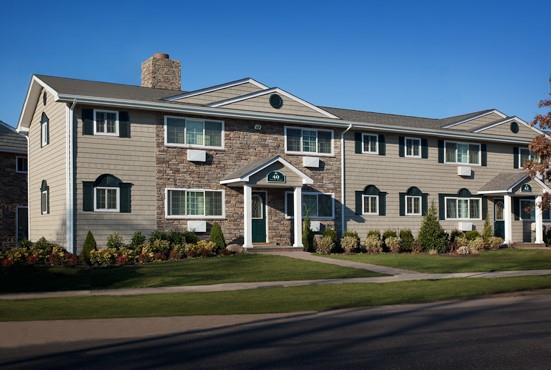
{"points": [[161, 56]]}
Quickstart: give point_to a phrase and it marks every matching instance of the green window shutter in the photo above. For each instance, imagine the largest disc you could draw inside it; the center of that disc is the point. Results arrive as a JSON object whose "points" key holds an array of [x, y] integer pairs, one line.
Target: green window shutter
{"points": [[441, 206], [359, 202], [424, 148], [484, 155], [484, 208], [88, 122], [48, 200], [440, 151], [424, 203], [125, 197], [382, 145], [516, 207], [358, 142], [515, 157], [124, 124], [41, 141], [289, 198], [402, 204], [382, 204], [88, 196], [401, 145]]}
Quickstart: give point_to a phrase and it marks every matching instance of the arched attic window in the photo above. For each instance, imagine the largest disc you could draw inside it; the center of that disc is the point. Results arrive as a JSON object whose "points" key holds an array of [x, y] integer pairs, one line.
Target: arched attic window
{"points": [[462, 205], [371, 201], [413, 202], [107, 194]]}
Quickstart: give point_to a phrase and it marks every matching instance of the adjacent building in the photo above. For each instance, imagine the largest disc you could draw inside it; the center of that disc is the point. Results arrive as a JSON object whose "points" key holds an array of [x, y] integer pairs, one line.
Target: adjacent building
{"points": [[256, 159], [13, 186]]}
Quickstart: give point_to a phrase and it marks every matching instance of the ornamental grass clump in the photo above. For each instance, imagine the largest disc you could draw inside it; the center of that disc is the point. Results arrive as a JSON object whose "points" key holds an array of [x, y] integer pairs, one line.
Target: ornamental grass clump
{"points": [[324, 245], [393, 244], [350, 242], [115, 241], [494, 243], [476, 245], [373, 244]]}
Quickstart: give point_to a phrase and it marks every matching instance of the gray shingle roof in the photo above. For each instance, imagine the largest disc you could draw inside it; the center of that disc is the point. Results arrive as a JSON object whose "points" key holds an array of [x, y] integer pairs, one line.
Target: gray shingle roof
{"points": [[11, 141], [504, 181], [248, 168]]}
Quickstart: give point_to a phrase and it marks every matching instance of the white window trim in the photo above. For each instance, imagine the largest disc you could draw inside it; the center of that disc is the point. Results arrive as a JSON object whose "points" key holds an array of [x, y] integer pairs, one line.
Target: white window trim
{"points": [[17, 221], [99, 133], [17, 164], [468, 209], [194, 217], [376, 213], [316, 153], [376, 143], [461, 163], [45, 138], [520, 149], [332, 217], [420, 205], [194, 146], [107, 209], [416, 139], [46, 209], [520, 209]]}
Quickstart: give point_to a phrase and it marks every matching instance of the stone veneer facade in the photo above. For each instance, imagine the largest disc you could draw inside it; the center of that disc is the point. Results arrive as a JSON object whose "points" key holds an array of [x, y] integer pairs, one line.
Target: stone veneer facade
{"points": [[13, 193], [243, 144]]}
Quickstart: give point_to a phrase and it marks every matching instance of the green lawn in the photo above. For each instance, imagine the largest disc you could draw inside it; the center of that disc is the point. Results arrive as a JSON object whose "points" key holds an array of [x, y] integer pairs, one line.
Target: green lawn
{"points": [[501, 260], [272, 300], [227, 269]]}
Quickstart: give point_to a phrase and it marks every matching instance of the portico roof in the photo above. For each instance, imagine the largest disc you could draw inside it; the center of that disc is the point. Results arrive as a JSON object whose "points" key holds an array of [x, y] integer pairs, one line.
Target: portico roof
{"points": [[506, 183], [243, 174]]}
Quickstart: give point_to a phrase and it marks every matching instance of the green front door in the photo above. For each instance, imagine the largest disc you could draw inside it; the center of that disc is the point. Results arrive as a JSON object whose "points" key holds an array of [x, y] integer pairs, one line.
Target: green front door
{"points": [[499, 224], [259, 217]]}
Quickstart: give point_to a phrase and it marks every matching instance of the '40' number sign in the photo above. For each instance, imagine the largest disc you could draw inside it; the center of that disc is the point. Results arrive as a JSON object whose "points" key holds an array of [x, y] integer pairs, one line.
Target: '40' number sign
{"points": [[276, 176]]}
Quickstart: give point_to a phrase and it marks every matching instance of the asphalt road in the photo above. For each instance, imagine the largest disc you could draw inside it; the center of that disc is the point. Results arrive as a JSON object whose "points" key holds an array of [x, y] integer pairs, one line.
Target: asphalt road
{"points": [[512, 332]]}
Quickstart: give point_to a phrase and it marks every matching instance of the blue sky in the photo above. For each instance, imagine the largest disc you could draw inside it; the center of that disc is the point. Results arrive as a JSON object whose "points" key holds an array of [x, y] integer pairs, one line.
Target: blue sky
{"points": [[419, 58]]}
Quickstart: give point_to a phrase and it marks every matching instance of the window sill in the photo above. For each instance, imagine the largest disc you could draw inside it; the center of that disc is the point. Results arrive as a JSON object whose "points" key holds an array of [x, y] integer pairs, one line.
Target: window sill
{"points": [[195, 218], [371, 153], [106, 211], [313, 218], [106, 134], [462, 164], [186, 146], [310, 154]]}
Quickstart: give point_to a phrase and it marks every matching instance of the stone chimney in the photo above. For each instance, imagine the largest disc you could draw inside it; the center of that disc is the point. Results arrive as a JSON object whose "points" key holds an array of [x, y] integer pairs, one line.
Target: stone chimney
{"points": [[161, 72]]}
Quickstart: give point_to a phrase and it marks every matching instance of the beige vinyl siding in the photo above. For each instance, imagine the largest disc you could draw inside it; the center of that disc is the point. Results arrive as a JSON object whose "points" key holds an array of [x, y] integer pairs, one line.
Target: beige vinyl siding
{"points": [[394, 174], [504, 129], [222, 94], [262, 104], [478, 122], [48, 163], [132, 160]]}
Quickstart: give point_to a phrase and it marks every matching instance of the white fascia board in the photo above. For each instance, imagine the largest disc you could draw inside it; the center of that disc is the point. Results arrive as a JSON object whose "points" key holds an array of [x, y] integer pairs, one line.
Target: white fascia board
{"points": [[216, 88], [493, 192], [245, 178], [270, 91], [33, 94], [475, 117], [514, 118]]}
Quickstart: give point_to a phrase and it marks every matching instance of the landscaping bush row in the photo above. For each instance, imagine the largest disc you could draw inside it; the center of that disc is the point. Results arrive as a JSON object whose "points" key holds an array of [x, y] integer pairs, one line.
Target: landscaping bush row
{"points": [[160, 246], [432, 239]]}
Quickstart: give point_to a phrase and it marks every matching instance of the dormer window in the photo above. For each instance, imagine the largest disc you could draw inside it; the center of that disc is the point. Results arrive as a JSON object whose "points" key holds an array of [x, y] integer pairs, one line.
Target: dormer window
{"points": [[106, 122]]}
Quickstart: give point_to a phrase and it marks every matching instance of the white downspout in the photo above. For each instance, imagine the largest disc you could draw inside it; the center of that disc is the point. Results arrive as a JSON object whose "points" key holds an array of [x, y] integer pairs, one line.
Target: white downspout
{"points": [[28, 184], [69, 206], [343, 173]]}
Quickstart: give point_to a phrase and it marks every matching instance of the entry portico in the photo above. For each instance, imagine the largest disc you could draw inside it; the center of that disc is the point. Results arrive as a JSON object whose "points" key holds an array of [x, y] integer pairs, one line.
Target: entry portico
{"points": [[267, 173], [516, 189]]}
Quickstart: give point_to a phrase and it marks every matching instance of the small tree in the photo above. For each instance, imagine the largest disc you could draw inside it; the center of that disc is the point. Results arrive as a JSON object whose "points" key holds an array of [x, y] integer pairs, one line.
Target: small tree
{"points": [[431, 234], [217, 237], [89, 245], [307, 236], [487, 232]]}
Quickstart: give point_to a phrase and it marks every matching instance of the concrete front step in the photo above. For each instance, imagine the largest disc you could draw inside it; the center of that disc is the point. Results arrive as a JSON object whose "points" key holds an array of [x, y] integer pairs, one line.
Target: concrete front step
{"points": [[272, 248], [530, 245]]}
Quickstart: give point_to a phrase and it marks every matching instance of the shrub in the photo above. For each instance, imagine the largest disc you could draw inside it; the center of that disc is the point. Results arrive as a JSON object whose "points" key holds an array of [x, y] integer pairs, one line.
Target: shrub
{"points": [[137, 240], [494, 243], [103, 257], [454, 235], [156, 250], [350, 243], [25, 244], [374, 233], [158, 235], [217, 237], [487, 231], [477, 245], [88, 246], [125, 256], [191, 237], [373, 244], [178, 252], [463, 251], [433, 252], [331, 233], [406, 240], [115, 241], [307, 236], [203, 248], [462, 241], [431, 234], [416, 247], [389, 234], [472, 235], [547, 236], [325, 245], [393, 244], [175, 237]]}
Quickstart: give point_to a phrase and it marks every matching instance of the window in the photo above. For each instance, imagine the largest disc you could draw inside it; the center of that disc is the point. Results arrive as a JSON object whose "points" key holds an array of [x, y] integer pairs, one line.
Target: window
{"points": [[44, 130], [413, 205], [106, 199], [194, 203], [370, 204], [314, 205], [527, 209], [305, 140], [44, 198], [413, 147], [370, 143], [106, 122], [257, 209], [193, 132], [525, 155], [463, 208], [462, 153], [21, 164]]}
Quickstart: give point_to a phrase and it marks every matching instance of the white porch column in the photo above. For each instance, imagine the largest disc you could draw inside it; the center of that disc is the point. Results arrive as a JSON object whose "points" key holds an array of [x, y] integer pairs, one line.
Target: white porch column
{"points": [[247, 217], [508, 219], [539, 220], [297, 217]]}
